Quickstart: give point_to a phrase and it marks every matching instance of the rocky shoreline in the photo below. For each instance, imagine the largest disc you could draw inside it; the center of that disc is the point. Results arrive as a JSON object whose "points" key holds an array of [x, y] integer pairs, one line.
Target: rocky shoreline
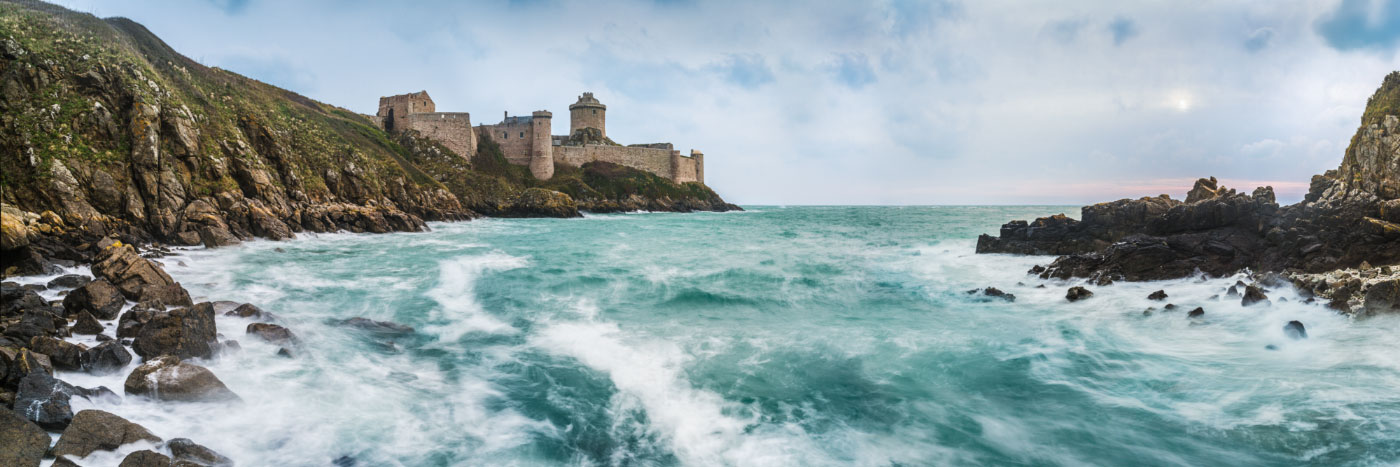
{"points": [[1341, 243]]}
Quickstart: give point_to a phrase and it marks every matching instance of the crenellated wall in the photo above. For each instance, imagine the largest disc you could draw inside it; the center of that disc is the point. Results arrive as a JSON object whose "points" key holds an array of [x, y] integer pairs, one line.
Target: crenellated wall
{"points": [[394, 110], [668, 164]]}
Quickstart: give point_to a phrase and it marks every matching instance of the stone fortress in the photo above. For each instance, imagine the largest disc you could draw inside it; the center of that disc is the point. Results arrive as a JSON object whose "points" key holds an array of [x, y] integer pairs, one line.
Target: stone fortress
{"points": [[528, 140]]}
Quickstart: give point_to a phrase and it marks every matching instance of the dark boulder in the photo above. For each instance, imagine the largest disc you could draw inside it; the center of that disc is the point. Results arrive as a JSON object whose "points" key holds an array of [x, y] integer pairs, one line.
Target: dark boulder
{"points": [[1253, 295], [36, 322], [1196, 313], [183, 449], [1078, 293], [169, 379], [1295, 330], [997, 293], [132, 321], [1382, 298], [18, 363], [99, 297], [62, 354], [1158, 295], [95, 430], [107, 357], [273, 333], [87, 324], [69, 281], [247, 310], [167, 295], [182, 332], [22, 443], [15, 299], [44, 400], [145, 458], [378, 327]]}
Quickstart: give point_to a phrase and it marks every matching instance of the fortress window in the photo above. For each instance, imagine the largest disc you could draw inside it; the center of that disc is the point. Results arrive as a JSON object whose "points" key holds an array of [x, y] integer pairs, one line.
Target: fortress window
{"points": [[522, 134], [595, 111], [505, 135]]}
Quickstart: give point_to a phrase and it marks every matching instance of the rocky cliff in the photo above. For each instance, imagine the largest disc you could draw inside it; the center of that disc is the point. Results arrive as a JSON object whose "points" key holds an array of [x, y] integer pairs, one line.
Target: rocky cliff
{"points": [[1349, 218], [107, 131]]}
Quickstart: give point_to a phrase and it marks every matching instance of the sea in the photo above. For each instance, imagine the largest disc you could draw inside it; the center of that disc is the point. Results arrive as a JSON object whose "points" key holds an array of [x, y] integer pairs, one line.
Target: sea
{"points": [[775, 336]]}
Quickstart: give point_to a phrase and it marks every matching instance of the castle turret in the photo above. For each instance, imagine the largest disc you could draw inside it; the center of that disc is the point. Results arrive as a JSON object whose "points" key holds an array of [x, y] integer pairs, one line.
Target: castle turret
{"points": [[588, 113], [394, 110], [541, 145], [699, 165]]}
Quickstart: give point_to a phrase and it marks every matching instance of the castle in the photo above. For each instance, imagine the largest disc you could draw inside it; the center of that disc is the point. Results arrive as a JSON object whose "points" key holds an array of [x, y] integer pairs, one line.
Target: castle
{"points": [[529, 141]]}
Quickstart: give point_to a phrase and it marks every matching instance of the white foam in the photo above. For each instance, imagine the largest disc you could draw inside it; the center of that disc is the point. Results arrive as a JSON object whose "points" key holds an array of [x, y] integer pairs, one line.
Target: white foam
{"points": [[458, 312]]}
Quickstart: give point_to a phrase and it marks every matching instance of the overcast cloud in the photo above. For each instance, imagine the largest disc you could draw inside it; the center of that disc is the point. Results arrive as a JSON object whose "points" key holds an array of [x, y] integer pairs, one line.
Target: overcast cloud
{"points": [[887, 102]]}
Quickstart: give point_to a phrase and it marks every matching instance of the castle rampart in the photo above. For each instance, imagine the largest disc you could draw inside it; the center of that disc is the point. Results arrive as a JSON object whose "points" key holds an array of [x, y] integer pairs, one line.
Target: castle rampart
{"points": [[526, 140]]}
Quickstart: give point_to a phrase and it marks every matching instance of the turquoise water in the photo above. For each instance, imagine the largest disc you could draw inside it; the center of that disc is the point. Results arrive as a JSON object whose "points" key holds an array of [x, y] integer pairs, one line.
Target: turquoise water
{"points": [[777, 336]]}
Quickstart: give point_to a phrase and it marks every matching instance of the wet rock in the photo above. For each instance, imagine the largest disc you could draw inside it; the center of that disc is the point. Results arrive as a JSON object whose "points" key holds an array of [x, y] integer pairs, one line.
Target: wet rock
{"points": [[247, 310], [69, 281], [1232, 292], [44, 400], [273, 333], [18, 363], [169, 379], [129, 272], [132, 321], [96, 430], [1295, 330], [224, 306], [1271, 347], [16, 299], [183, 449], [997, 293], [145, 458], [87, 324], [1158, 295], [1253, 295], [167, 295], [24, 443], [37, 322], [99, 297], [105, 358], [62, 354], [1382, 298], [379, 327], [1077, 293], [182, 332], [1196, 313]]}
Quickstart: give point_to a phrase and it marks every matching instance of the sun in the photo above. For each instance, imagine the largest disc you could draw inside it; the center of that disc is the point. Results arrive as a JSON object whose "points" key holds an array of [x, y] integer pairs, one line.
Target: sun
{"points": [[1183, 104]]}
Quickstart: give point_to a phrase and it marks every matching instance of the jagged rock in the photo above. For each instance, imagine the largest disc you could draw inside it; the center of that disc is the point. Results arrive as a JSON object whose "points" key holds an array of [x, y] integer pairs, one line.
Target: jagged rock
{"points": [[13, 233], [105, 358], [273, 333], [132, 321], [378, 327], [995, 292], [1253, 295], [169, 379], [145, 458], [202, 217], [166, 295], [1295, 330], [17, 299], [37, 322], [96, 430], [182, 332], [23, 443], [69, 281], [87, 324], [1077, 293], [99, 297], [128, 271], [62, 354], [18, 363], [539, 202], [1382, 298], [43, 400], [1196, 313], [183, 449], [1204, 189], [1158, 295]]}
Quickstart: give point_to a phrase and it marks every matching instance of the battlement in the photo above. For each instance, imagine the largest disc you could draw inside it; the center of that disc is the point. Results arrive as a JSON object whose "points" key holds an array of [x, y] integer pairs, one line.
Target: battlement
{"points": [[527, 139]]}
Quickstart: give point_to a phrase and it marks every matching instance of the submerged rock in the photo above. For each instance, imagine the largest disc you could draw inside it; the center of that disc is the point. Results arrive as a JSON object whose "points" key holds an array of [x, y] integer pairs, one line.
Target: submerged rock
{"points": [[247, 310], [169, 379], [183, 449], [1295, 330], [1077, 293], [273, 333], [1253, 295], [24, 443], [1196, 313], [1158, 295], [378, 327], [145, 458], [96, 430]]}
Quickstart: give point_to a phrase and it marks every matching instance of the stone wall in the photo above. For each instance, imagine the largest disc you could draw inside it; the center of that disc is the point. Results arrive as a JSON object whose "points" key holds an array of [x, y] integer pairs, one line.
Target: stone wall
{"points": [[452, 129], [541, 145], [667, 164], [515, 135], [396, 109]]}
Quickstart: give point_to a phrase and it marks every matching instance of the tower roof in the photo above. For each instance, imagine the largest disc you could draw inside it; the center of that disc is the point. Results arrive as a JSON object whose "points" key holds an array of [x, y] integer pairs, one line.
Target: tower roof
{"points": [[587, 101]]}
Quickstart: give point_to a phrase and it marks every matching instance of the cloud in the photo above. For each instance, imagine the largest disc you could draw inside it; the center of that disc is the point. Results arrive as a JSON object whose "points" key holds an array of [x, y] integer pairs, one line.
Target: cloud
{"points": [[1362, 25], [1122, 29], [1258, 40], [231, 7], [746, 70], [853, 70], [1064, 31]]}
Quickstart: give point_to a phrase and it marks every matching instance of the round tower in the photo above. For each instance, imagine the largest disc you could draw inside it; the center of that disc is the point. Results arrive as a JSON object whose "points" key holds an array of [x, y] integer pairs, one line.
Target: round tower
{"points": [[588, 113], [541, 145]]}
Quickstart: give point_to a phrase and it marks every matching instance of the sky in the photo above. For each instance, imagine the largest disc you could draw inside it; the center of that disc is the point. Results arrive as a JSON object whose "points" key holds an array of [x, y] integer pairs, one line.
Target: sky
{"points": [[881, 102]]}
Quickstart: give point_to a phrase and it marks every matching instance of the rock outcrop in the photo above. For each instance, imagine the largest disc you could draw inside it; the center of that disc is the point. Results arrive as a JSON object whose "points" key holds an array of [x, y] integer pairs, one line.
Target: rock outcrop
{"points": [[1350, 215], [96, 430]]}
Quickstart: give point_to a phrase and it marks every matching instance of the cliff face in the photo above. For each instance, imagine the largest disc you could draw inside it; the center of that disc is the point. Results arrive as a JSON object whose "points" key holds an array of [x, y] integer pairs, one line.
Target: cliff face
{"points": [[1350, 217], [111, 132]]}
